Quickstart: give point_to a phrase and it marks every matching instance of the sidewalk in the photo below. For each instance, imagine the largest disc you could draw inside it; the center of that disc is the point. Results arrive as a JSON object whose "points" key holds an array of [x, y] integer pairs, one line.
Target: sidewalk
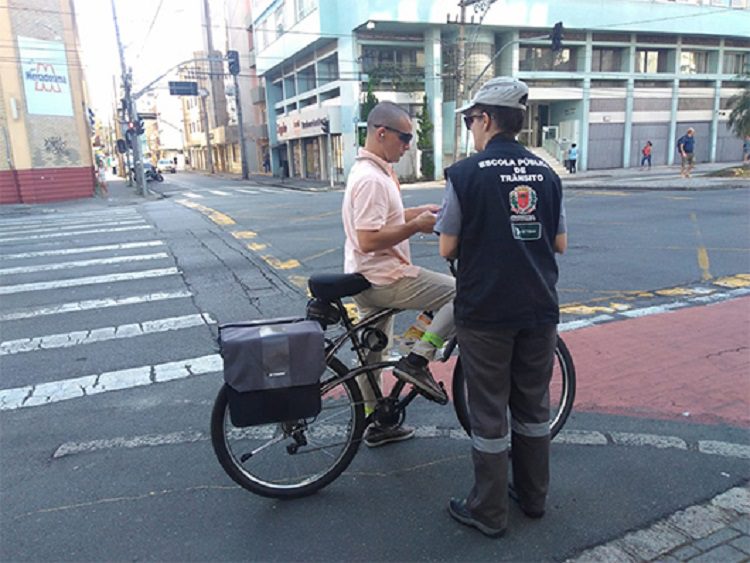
{"points": [[648, 367], [119, 194], [657, 178]]}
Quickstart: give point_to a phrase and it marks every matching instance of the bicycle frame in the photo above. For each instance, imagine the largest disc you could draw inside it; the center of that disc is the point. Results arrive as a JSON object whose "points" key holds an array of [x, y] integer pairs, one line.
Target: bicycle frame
{"points": [[352, 334]]}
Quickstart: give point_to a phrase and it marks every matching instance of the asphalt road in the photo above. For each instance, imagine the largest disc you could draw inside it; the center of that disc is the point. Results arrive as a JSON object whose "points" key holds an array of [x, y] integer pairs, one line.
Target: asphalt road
{"points": [[109, 372]]}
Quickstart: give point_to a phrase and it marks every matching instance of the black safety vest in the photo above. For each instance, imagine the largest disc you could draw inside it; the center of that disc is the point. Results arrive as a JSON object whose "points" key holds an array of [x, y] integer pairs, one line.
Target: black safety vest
{"points": [[510, 209]]}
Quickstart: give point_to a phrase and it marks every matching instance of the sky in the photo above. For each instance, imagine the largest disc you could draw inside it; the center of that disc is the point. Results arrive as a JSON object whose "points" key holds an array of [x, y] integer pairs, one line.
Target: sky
{"points": [[149, 49]]}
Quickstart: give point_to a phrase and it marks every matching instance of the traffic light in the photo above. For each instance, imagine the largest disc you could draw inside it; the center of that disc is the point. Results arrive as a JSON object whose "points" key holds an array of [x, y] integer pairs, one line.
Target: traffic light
{"points": [[233, 57], [140, 129], [557, 36], [92, 117], [325, 126]]}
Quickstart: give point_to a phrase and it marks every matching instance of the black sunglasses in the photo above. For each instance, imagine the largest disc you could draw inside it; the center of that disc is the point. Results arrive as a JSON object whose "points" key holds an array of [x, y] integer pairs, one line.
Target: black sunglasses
{"points": [[403, 137], [469, 119]]}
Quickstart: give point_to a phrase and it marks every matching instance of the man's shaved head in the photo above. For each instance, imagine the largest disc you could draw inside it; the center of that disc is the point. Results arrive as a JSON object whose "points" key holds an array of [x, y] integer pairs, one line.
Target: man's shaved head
{"points": [[388, 114]]}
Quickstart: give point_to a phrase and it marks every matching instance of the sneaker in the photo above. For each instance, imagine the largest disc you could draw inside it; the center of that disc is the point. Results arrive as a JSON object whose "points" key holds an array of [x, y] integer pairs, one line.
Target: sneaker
{"points": [[459, 512], [377, 435], [421, 378]]}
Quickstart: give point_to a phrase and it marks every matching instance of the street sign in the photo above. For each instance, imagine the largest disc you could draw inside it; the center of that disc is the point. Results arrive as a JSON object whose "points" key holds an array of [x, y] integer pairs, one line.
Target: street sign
{"points": [[183, 88], [151, 116]]}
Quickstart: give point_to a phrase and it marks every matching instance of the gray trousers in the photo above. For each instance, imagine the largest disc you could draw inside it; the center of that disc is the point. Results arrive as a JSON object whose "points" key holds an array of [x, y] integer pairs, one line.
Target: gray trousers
{"points": [[429, 291], [508, 368]]}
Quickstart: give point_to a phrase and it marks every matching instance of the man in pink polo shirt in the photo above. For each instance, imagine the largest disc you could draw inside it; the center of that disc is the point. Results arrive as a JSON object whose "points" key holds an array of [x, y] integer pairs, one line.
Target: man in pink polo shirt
{"points": [[377, 231]]}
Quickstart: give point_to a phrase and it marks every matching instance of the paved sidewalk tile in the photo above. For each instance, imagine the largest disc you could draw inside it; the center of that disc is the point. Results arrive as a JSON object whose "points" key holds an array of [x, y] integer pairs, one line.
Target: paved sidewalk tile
{"points": [[722, 554]]}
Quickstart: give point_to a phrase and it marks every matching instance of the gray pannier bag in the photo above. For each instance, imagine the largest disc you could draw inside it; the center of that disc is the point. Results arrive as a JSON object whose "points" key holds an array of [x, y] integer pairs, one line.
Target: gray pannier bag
{"points": [[272, 369]]}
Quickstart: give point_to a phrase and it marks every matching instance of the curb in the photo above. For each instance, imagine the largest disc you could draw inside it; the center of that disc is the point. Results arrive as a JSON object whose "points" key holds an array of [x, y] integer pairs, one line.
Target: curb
{"points": [[717, 530]]}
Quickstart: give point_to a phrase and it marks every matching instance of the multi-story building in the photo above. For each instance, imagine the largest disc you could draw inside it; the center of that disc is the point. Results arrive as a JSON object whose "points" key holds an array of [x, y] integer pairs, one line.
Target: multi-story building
{"points": [[638, 70], [45, 150]]}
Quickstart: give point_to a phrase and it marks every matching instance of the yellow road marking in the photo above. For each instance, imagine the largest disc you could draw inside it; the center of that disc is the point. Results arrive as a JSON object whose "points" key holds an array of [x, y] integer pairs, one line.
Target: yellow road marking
{"points": [[740, 280], [215, 216], [703, 262], [301, 282], [256, 246], [244, 234], [577, 309], [280, 265], [676, 292]]}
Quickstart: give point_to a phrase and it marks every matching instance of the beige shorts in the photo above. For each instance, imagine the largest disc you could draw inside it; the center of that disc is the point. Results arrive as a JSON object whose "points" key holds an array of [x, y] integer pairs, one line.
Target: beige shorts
{"points": [[688, 159]]}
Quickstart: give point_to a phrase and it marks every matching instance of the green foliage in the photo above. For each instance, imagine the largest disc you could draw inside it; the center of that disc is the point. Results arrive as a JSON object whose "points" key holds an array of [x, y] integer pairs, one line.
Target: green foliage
{"points": [[365, 108], [739, 118], [425, 141]]}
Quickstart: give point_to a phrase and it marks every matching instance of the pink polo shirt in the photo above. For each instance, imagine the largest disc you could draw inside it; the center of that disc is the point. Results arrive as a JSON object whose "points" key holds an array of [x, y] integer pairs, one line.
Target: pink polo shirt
{"points": [[372, 200]]}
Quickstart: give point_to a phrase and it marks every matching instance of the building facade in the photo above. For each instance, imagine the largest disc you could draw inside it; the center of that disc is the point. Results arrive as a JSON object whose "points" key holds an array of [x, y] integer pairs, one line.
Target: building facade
{"points": [[643, 70], [45, 136]]}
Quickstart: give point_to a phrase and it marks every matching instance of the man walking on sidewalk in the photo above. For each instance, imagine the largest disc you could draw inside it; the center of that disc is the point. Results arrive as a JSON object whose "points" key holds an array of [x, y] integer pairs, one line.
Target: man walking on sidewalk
{"points": [[686, 148]]}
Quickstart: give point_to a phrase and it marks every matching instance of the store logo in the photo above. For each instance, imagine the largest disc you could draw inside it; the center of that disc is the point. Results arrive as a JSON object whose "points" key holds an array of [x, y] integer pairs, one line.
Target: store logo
{"points": [[45, 78]]}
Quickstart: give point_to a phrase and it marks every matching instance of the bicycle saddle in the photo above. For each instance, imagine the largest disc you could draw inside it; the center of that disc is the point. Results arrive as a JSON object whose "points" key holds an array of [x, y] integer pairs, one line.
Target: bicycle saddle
{"points": [[335, 286]]}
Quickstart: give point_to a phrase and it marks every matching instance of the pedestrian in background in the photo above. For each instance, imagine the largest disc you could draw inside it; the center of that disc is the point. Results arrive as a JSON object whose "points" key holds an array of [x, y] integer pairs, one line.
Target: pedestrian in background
{"points": [[505, 232], [746, 150], [572, 158], [101, 177], [686, 148], [646, 154]]}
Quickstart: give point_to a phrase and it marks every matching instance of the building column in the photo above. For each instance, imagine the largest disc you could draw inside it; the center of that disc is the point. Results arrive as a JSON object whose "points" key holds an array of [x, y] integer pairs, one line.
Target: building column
{"points": [[583, 153], [628, 133], [351, 95], [673, 120], [717, 104], [433, 65]]}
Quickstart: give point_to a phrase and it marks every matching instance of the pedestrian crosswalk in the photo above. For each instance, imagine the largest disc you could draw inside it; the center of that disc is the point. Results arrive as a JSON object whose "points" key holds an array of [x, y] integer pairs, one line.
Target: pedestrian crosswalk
{"points": [[231, 191], [91, 302]]}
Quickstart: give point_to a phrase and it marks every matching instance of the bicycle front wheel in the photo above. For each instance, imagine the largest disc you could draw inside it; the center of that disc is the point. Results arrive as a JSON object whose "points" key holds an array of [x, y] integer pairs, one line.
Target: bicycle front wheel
{"points": [[294, 458], [562, 390]]}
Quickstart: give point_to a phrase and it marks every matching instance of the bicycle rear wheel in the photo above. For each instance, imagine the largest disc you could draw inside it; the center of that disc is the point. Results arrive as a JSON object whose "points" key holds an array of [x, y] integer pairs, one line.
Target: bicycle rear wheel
{"points": [[295, 458], [562, 390]]}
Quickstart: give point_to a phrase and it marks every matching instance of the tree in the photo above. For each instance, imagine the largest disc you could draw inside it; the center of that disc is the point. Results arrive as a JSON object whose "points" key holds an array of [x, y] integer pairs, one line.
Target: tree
{"points": [[739, 118], [365, 108], [425, 141]]}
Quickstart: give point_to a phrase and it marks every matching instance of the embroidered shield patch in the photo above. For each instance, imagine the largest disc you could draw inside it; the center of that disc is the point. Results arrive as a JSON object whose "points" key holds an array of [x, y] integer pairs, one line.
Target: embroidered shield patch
{"points": [[523, 200]]}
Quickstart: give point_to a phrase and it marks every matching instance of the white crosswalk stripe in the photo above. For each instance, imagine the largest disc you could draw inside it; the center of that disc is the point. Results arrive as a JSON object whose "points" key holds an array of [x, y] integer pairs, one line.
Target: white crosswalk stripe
{"points": [[88, 280], [75, 233], [80, 337], [83, 250], [38, 251], [192, 195], [82, 263], [219, 192]]}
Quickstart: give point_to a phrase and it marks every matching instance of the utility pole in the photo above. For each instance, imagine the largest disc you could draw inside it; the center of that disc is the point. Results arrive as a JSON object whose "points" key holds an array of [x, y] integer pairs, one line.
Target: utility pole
{"points": [[127, 85], [209, 149], [233, 57], [212, 70]]}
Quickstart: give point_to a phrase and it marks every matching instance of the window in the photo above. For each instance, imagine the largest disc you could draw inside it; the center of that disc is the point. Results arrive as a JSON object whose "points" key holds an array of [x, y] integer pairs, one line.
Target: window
{"points": [[606, 60], [694, 62], [735, 63], [302, 8], [306, 79], [278, 21], [396, 67], [651, 60], [328, 70], [543, 58]]}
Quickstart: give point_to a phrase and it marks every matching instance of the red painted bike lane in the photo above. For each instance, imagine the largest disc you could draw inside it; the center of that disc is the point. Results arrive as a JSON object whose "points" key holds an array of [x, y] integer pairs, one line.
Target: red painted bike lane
{"points": [[691, 364]]}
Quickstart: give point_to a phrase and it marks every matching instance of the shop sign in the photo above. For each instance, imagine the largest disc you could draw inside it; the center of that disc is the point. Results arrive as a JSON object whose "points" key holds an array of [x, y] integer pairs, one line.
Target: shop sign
{"points": [[304, 124], [44, 69]]}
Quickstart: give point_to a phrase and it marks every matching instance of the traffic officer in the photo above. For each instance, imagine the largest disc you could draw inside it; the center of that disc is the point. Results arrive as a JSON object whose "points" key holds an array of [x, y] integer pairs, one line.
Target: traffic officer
{"points": [[503, 218]]}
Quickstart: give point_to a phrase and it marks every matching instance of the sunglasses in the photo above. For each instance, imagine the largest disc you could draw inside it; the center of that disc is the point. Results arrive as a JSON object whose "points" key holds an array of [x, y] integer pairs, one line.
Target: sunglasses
{"points": [[469, 119], [403, 137]]}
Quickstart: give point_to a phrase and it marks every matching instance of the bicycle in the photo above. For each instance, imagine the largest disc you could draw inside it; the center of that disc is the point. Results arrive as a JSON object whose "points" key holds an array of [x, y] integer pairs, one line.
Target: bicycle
{"points": [[296, 458]]}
